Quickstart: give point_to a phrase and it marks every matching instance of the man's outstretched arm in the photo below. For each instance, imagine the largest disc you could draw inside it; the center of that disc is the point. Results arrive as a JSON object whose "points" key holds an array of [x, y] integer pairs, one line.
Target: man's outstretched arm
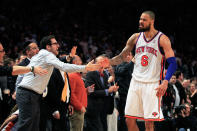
{"points": [[25, 69]]}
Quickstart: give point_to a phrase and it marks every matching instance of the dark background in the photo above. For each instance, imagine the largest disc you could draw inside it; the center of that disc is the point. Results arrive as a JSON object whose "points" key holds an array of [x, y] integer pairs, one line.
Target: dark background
{"points": [[106, 21]]}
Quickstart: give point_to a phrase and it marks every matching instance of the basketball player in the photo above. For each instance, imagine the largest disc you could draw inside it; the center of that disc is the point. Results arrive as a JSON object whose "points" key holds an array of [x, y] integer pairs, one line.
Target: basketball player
{"points": [[145, 92]]}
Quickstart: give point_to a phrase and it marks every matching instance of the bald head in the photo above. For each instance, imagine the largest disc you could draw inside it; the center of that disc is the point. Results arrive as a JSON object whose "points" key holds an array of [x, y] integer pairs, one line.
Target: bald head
{"points": [[102, 61], [77, 60], [150, 13], [100, 58]]}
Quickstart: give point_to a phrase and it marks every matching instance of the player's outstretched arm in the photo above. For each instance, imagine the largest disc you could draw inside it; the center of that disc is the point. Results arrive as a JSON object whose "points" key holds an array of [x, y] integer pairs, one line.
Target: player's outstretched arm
{"points": [[128, 48]]}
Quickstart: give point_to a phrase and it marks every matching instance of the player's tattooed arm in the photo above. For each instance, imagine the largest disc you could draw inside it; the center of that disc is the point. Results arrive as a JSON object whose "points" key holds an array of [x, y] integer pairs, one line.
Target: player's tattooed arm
{"points": [[128, 48], [119, 58]]}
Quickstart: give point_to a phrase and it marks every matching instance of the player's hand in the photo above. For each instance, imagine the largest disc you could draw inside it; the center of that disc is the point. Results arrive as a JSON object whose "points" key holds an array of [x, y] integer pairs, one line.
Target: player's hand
{"points": [[92, 67], [162, 88]]}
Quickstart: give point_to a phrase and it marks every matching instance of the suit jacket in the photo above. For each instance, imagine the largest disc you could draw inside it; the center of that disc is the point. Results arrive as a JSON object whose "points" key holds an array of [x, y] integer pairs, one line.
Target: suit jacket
{"points": [[181, 90], [52, 102], [25, 62], [98, 101], [55, 87], [5, 71], [123, 73]]}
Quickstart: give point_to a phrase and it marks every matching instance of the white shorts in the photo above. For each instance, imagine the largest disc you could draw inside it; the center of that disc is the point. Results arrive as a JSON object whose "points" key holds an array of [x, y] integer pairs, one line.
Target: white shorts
{"points": [[142, 102]]}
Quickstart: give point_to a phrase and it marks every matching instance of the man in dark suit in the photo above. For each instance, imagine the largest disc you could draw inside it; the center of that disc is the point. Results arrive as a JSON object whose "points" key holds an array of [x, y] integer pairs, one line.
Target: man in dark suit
{"points": [[123, 73], [101, 101], [53, 109], [182, 93]]}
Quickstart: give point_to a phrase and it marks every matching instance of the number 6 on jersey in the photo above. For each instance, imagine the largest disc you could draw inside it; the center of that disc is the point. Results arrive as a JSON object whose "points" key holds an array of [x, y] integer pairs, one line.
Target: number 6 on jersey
{"points": [[144, 60]]}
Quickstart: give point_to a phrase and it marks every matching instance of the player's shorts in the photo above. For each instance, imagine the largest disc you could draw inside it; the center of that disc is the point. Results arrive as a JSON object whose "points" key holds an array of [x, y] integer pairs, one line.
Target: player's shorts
{"points": [[142, 102]]}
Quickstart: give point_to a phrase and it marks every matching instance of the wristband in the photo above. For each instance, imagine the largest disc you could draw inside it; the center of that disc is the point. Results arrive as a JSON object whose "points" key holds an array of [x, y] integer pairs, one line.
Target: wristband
{"points": [[171, 68]]}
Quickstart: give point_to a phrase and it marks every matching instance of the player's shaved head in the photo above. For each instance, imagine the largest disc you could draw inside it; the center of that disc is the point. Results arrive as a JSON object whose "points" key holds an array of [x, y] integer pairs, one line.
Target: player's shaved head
{"points": [[151, 14]]}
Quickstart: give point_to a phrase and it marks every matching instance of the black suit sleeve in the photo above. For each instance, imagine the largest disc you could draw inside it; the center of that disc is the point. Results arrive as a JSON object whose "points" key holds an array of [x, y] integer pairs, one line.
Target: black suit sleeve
{"points": [[181, 90], [6, 70], [121, 70], [63, 59], [53, 97], [99, 90], [25, 62]]}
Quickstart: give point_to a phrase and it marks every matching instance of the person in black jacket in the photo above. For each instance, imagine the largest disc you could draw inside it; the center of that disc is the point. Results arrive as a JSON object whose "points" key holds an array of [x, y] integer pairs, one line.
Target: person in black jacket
{"points": [[53, 109], [101, 101], [123, 74], [184, 119], [182, 93], [193, 97]]}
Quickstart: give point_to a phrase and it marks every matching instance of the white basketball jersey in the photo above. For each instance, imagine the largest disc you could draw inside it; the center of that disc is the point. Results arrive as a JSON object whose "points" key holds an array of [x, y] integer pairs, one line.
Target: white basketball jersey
{"points": [[148, 59]]}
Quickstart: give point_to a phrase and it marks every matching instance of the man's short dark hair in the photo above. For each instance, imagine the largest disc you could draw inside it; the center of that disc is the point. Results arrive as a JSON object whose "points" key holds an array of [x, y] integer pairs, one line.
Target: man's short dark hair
{"points": [[46, 41], [174, 74], [26, 46], [178, 73]]}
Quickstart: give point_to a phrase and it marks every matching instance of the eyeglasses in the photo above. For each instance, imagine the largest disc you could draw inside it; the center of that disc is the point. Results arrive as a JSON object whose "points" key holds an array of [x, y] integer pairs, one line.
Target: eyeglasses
{"points": [[2, 50], [55, 43], [34, 48]]}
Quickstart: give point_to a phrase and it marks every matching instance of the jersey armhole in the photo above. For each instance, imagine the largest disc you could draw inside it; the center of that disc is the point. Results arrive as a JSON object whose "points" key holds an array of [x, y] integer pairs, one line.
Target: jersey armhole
{"points": [[159, 47], [138, 38], [133, 52]]}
